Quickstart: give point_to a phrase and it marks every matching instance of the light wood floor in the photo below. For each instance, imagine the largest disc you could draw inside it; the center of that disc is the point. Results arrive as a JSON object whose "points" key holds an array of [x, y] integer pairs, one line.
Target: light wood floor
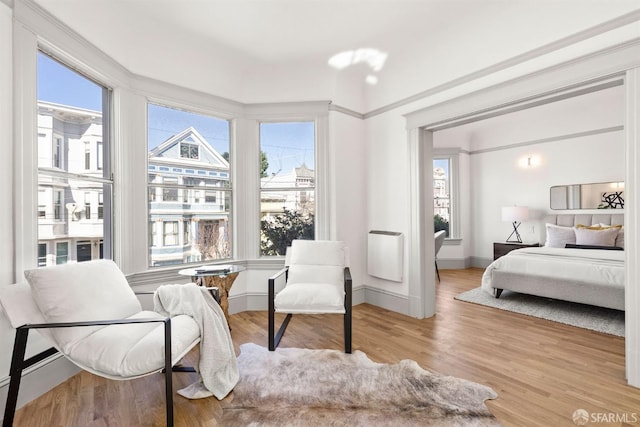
{"points": [[542, 371]]}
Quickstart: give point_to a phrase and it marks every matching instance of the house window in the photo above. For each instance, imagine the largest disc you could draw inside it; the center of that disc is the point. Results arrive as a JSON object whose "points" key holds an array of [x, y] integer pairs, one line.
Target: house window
{"points": [[87, 205], [186, 226], [76, 120], [42, 254], [42, 205], [57, 153], [62, 252], [188, 162], [170, 194], [189, 151], [287, 184], [170, 236], [99, 155], [57, 205], [87, 155], [100, 206], [445, 215], [83, 251]]}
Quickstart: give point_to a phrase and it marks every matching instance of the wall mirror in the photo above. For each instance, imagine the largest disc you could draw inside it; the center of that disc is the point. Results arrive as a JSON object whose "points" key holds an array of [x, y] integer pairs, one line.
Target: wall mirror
{"points": [[602, 195]]}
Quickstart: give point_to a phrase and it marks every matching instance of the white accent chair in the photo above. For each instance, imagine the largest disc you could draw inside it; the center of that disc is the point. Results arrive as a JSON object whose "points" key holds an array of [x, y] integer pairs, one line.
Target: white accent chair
{"points": [[91, 315], [439, 240], [318, 281]]}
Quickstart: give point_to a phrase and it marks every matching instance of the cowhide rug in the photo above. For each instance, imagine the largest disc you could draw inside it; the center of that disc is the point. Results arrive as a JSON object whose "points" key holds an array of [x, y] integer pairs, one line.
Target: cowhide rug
{"points": [[299, 387]]}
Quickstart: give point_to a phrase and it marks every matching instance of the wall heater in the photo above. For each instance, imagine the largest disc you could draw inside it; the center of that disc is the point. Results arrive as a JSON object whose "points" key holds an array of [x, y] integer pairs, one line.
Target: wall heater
{"points": [[385, 255]]}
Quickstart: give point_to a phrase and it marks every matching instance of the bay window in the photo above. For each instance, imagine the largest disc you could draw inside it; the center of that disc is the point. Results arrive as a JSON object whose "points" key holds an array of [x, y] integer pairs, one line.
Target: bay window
{"points": [[287, 184], [189, 186], [71, 113]]}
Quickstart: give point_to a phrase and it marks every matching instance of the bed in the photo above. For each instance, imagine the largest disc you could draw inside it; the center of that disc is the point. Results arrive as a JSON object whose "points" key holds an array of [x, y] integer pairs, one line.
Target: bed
{"points": [[584, 272]]}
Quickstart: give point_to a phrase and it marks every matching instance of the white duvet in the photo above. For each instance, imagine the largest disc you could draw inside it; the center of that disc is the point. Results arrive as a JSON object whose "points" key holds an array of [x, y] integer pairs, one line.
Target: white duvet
{"points": [[585, 265]]}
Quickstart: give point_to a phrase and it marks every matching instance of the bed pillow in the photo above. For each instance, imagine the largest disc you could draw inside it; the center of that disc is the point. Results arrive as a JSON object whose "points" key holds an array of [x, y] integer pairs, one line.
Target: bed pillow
{"points": [[558, 236], [597, 236], [619, 237]]}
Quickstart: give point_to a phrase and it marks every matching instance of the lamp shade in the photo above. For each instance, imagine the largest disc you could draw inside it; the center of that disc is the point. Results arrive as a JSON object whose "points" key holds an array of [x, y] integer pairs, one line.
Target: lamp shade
{"points": [[515, 213]]}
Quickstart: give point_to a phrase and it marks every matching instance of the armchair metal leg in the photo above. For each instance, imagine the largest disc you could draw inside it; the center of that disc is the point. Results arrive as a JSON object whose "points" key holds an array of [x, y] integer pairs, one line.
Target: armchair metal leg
{"points": [[347, 332], [15, 372], [437, 272], [168, 373], [348, 308], [274, 338]]}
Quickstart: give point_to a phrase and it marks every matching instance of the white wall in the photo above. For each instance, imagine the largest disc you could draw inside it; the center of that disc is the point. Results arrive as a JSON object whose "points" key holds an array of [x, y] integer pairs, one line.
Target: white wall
{"points": [[349, 189]]}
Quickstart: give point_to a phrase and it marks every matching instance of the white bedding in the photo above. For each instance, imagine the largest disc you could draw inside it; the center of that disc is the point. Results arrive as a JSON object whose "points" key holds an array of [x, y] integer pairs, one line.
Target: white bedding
{"points": [[597, 266]]}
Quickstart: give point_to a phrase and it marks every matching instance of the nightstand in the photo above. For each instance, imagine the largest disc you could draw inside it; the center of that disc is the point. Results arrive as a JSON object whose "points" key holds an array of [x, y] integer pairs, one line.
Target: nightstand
{"points": [[503, 248]]}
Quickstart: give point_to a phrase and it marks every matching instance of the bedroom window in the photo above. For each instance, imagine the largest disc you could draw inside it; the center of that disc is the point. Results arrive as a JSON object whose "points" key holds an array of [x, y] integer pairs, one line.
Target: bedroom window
{"points": [[445, 215], [189, 182], [287, 185]]}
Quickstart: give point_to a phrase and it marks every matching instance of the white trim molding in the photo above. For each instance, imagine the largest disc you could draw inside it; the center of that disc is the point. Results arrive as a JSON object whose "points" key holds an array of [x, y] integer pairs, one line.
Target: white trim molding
{"points": [[632, 227]]}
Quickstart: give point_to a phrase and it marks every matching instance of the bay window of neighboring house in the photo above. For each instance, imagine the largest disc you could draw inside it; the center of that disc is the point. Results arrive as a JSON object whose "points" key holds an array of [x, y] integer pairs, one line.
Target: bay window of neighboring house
{"points": [[189, 186], [67, 180], [287, 184]]}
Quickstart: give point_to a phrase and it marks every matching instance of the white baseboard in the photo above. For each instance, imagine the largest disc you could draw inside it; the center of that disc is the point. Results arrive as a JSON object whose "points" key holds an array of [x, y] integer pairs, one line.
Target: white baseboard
{"points": [[38, 380]]}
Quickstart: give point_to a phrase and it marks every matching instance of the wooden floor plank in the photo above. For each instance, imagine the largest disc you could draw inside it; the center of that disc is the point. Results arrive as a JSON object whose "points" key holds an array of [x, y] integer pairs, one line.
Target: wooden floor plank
{"points": [[542, 371]]}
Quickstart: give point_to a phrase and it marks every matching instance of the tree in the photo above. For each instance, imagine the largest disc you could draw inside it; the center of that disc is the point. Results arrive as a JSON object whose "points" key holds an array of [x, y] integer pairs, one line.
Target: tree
{"points": [[279, 231], [439, 223], [264, 164]]}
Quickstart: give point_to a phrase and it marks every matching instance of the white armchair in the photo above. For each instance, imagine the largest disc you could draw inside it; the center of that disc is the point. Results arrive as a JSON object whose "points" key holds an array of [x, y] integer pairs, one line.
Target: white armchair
{"points": [[318, 281], [92, 316]]}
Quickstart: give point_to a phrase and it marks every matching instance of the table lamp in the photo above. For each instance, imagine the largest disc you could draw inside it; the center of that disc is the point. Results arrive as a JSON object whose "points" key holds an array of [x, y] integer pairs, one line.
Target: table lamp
{"points": [[515, 215]]}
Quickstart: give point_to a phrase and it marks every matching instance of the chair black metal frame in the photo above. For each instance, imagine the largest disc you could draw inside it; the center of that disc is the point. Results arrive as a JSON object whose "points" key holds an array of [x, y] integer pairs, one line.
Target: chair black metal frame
{"points": [[274, 338], [18, 363], [438, 238]]}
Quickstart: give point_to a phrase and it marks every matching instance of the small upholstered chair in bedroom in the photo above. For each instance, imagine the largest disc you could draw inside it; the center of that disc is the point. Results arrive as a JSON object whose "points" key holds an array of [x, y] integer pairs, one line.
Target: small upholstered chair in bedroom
{"points": [[439, 239], [91, 315], [318, 281]]}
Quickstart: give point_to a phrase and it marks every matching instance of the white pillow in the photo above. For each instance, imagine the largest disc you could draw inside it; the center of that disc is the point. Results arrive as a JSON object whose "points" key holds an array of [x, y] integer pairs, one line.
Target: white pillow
{"points": [[90, 290], [602, 237], [558, 236]]}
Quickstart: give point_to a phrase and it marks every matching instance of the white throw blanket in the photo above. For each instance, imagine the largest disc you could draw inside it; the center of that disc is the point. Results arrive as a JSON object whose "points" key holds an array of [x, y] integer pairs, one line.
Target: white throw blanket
{"points": [[218, 365]]}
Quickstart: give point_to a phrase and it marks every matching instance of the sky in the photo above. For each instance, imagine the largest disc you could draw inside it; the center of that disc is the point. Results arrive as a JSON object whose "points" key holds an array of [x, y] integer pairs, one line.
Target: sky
{"points": [[287, 145]]}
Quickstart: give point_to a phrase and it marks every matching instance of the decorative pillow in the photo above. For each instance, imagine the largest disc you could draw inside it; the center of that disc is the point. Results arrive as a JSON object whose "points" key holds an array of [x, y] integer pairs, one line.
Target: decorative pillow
{"points": [[620, 237], [558, 236], [599, 237]]}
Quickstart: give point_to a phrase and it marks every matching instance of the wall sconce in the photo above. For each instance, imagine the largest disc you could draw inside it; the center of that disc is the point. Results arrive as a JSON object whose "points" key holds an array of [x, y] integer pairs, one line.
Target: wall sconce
{"points": [[529, 161]]}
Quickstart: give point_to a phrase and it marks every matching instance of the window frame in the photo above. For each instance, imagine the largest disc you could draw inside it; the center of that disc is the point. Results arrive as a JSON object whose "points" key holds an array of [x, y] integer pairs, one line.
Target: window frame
{"points": [[185, 188], [453, 156]]}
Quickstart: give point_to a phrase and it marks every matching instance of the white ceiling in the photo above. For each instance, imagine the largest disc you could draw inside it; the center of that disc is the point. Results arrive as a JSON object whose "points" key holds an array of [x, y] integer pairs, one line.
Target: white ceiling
{"points": [[253, 34]]}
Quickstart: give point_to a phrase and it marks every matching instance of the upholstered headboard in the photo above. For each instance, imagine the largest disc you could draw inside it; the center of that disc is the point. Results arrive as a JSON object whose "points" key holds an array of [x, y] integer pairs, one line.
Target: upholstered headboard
{"points": [[570, 220]]}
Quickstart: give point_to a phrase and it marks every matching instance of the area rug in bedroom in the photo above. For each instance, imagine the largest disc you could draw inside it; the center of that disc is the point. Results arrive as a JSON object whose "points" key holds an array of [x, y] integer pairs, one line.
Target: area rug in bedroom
{"points": [[584, 316], [302, 387]]}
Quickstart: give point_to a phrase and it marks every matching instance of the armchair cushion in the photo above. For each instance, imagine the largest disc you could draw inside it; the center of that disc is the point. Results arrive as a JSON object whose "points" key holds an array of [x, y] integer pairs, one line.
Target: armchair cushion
{"points": [[134, 349], [317, 261], [317, 252], [310, 298], [91, 290]]}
